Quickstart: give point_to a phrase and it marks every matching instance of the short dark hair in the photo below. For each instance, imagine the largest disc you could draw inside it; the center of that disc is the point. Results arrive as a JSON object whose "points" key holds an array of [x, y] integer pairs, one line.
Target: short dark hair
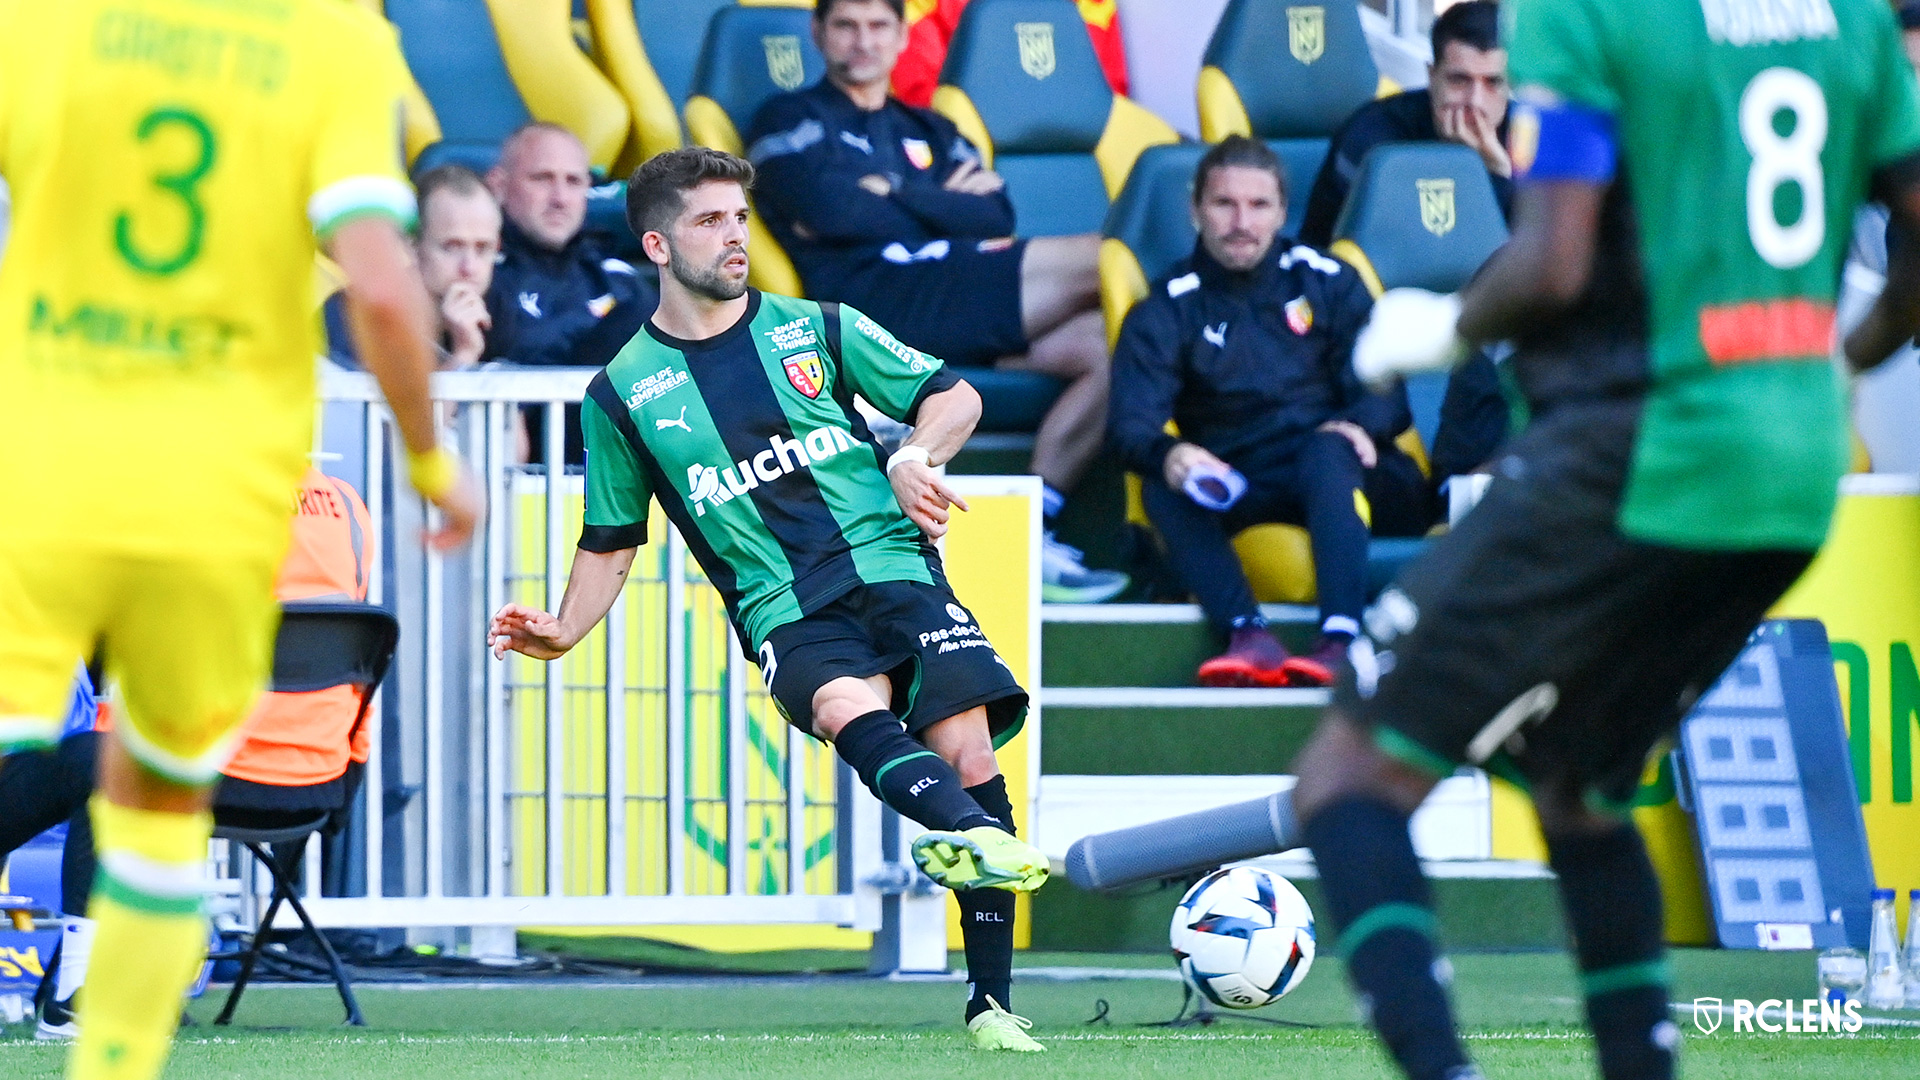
{"points": [[1910, 15], [1238, 152], [1473, 23], [824, 8], [456, 179], [656, 193]]}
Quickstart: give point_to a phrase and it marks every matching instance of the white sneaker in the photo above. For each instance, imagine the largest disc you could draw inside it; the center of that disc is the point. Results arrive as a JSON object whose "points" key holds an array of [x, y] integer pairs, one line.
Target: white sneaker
{"points": [[1065, 579], [58, 1022]]}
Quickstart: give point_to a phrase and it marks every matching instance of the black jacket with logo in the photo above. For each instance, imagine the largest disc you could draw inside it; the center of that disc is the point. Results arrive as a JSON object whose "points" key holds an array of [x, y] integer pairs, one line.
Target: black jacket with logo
{"points": [[811, 148], [1247, 364], [575, 307]]}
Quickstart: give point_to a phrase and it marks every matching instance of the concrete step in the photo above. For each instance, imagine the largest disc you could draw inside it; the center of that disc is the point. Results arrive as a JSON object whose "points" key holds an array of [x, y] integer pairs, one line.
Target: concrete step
{"points": [[1108, 645]]}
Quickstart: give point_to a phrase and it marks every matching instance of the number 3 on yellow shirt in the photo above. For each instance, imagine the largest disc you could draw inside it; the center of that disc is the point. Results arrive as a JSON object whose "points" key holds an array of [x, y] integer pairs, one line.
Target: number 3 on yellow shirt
{"points": [[181, 185]]}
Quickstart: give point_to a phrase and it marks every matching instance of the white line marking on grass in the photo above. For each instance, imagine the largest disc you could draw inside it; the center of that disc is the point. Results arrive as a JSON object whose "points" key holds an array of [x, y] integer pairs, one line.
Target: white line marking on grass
{"points": [[1095, 974]]}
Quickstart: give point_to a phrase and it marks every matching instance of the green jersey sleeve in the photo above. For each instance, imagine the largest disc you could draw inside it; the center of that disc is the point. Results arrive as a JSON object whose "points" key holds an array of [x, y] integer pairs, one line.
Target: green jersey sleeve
{"points": [[892, 375], [1558, 45], [618, 492], [1892, 131]]}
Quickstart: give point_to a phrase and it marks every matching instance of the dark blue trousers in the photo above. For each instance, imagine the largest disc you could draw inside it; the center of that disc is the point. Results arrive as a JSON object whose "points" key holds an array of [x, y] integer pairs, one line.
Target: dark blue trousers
{"points": [[1314, 490]]}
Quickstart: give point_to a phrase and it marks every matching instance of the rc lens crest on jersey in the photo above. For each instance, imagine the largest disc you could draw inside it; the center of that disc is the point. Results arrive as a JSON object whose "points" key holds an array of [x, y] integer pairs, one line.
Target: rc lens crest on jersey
{"points": [[1036, 48], [784, 64], [1307, 32], [1436, 204], [805, 372]]}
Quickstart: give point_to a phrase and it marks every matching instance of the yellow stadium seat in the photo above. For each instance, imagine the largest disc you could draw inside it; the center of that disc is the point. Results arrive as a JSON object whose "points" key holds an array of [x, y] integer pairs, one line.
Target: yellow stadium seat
{"points": [[1023, 84], [750, 54], [489, 68]]}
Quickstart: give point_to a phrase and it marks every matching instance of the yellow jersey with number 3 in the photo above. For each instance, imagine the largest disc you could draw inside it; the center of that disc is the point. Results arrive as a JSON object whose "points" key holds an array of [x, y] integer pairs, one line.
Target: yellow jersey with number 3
{"points": [[172, 163]]}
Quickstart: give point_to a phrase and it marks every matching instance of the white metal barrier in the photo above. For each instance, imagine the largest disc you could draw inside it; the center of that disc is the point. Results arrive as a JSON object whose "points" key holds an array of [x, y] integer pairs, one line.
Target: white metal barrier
{"points": [[643, 779]]}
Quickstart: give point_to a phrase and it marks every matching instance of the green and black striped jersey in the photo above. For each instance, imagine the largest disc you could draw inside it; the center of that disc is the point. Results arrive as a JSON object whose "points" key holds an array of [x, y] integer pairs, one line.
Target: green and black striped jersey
{"points": [[750, 441]]}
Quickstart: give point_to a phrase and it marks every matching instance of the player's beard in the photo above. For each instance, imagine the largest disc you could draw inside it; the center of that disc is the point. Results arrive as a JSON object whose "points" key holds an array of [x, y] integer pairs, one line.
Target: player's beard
{"points": [[710, 282]]}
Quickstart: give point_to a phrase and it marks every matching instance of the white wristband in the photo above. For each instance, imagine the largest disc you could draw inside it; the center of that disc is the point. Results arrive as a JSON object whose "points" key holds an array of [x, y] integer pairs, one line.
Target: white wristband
{"points": [[908, 453]]}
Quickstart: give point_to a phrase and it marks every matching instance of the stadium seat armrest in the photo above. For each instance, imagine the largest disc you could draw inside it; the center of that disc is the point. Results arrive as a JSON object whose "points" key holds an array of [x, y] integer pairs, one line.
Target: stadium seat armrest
{"points": [[1130, 130], [954, 104], [1222, 113]]}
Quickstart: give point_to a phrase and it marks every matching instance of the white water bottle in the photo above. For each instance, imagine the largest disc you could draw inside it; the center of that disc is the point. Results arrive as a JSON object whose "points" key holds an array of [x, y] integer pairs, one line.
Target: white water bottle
{"points": [[1913, 949], [1886, 987]]}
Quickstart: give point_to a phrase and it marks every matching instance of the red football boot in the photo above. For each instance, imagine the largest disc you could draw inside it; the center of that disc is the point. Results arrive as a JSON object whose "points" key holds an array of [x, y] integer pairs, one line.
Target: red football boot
{"points": [[1317, 668], [1253, 658]]}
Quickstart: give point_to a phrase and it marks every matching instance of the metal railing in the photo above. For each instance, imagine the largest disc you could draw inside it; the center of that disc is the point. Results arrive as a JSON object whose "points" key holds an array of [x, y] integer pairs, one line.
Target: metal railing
{"points": [[645, 778]]}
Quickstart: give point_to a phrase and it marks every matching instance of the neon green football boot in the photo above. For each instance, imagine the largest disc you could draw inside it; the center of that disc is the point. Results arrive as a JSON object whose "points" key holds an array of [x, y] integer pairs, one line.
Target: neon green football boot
{"points": [[998, 1029], [981, 858]]}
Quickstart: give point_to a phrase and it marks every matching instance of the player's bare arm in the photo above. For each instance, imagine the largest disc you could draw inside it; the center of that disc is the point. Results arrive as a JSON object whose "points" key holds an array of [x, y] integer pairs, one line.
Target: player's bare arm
{"points": [[592, 586], [1543, 269], [945, 421], [1895, 316], [391, 320]]}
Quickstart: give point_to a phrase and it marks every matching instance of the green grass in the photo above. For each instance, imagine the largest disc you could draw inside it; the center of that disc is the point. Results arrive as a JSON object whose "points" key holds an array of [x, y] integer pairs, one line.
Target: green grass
{"points": [[1519, 1011]]}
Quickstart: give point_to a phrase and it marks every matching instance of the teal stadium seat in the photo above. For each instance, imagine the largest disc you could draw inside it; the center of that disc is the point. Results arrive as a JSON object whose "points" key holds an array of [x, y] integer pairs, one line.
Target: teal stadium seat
{"points": [[464, 54], [454, 54], [749, 55], [1022, 82], [672, 31], [1420, 215]]}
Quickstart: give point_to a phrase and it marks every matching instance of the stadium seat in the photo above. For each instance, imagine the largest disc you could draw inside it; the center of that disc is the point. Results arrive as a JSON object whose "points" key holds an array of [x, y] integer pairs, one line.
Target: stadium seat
{"points": [[1022, 82], [489, 66], [1249, 87], [749, 55], [649, 49], [1421, 215]]}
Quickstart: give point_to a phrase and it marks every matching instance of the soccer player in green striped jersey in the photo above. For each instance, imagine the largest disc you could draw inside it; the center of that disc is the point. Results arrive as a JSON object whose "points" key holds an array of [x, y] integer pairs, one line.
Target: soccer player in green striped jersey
{"points": [[734, 410], [1687, 170]]}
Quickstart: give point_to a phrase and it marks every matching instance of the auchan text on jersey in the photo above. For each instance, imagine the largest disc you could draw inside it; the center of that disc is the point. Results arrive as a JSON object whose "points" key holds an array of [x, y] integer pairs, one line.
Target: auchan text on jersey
{"points": [[711, 485]]}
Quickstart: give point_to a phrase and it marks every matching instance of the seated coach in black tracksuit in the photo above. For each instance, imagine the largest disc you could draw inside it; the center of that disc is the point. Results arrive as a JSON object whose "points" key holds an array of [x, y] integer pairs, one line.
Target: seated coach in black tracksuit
{"points": [[559, 298], [1247, 347]]}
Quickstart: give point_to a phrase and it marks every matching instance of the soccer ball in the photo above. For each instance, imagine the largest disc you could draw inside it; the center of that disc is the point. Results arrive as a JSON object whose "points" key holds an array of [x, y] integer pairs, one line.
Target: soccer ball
{"points": [[1243, 937]]}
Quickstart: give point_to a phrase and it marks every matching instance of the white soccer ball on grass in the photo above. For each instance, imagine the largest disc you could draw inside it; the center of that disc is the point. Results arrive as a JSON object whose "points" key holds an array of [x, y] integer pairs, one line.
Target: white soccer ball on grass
{"points": [[1243, 937]]}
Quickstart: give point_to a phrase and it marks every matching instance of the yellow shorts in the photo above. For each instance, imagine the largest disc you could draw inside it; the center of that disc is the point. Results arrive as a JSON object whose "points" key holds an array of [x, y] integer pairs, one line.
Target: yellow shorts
{"points": [[189, 640]]}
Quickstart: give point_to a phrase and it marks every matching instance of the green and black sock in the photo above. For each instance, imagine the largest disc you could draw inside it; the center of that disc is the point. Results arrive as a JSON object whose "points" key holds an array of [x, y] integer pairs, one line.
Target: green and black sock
{"points": [[906, 775], [1378, 901], [1612, 898]]}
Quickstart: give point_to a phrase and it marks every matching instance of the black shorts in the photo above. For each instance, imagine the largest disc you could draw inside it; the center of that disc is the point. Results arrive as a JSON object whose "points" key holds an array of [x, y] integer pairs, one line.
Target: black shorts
{"points": [[957, 302], [917, 635], [1536, 641]]}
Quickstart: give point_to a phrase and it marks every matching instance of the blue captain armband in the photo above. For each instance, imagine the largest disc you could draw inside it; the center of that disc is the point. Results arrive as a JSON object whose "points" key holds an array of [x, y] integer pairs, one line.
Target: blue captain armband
{"points": [[1562, 141]]}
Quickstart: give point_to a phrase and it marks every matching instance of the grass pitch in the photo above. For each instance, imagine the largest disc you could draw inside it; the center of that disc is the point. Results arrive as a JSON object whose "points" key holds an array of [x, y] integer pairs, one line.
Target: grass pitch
{"points": [[1520, 1011]]}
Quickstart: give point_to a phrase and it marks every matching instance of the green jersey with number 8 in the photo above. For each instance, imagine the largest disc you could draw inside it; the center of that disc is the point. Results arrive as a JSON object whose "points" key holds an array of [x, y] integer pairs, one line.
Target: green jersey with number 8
{"points": [[1748, 132]]}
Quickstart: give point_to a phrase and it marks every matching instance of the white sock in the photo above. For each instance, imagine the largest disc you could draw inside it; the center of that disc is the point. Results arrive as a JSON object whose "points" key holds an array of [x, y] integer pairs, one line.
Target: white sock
{"points": [[76, 951]]}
